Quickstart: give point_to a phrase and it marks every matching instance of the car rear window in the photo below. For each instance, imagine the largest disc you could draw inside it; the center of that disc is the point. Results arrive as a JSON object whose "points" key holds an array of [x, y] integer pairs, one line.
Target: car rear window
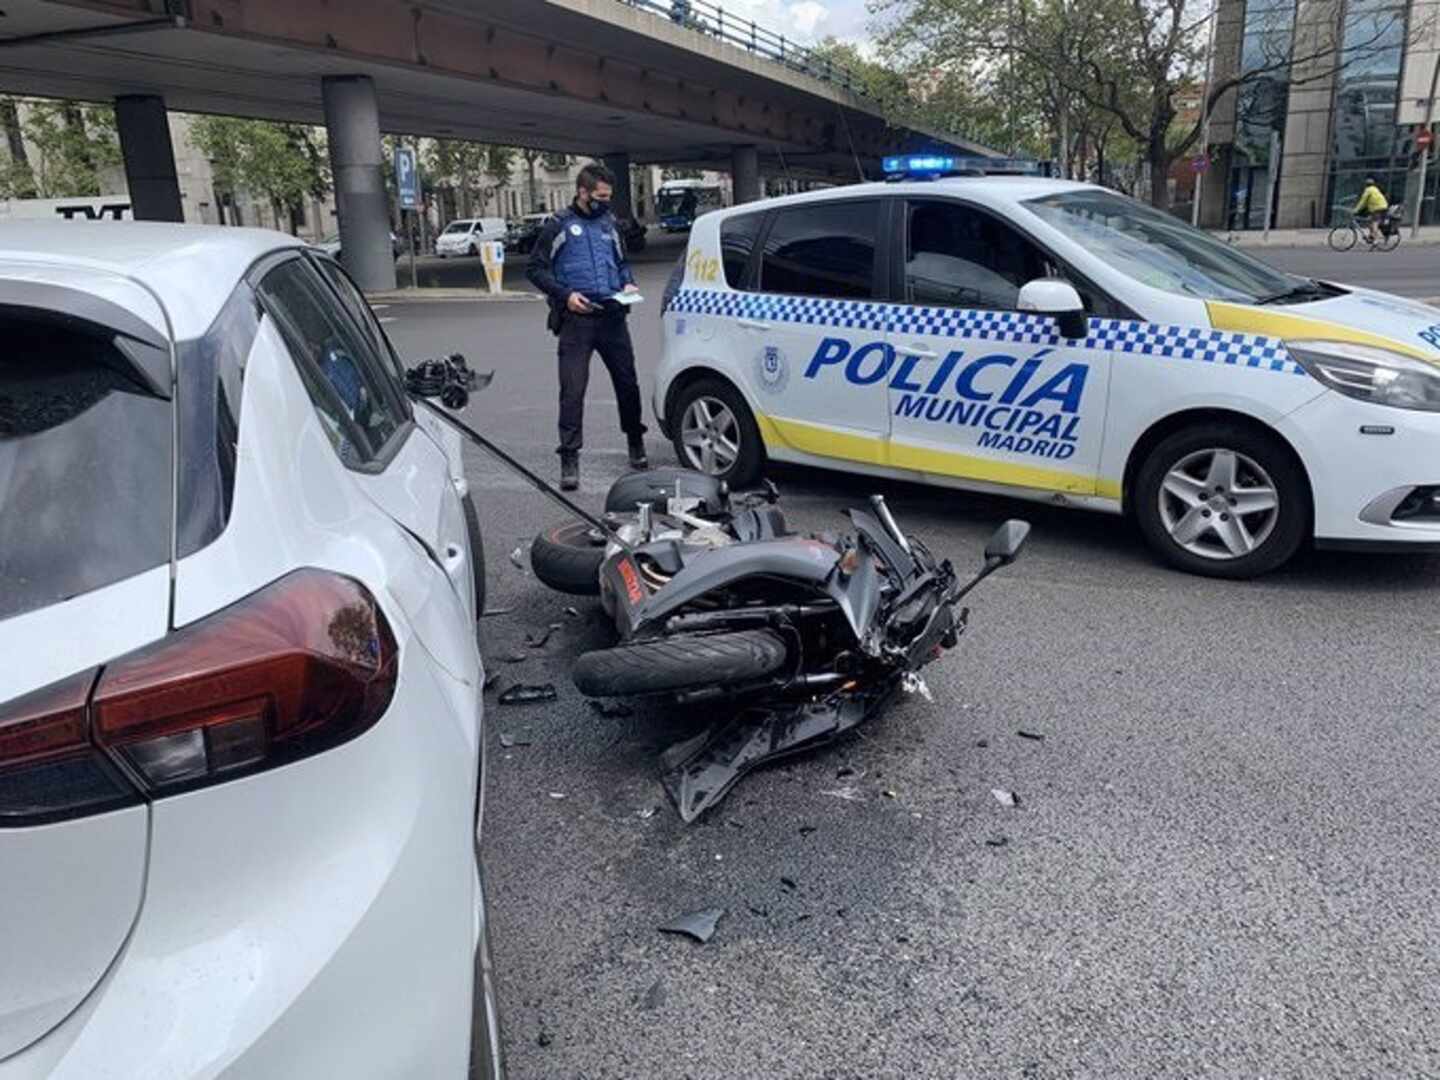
{"points": [[85, 466], [737, 240], [825, 249]]}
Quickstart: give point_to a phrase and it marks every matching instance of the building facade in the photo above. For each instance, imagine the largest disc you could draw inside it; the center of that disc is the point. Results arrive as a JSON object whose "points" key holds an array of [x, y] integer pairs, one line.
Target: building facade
{"points": [[1336, 92]]}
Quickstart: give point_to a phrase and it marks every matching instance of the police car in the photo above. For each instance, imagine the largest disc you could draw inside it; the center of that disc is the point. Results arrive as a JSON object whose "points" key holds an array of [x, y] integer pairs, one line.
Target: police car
{"points": [[1060, 342]]}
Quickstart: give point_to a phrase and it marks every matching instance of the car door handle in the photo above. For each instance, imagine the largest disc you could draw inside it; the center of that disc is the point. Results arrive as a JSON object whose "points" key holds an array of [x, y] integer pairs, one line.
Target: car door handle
{"points": [[753, 324], [922, 352]]}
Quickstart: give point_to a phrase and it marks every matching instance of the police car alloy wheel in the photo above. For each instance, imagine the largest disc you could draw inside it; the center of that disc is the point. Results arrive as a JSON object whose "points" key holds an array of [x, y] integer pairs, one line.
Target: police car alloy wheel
{"points": [[1222, 500], [715, 432]]}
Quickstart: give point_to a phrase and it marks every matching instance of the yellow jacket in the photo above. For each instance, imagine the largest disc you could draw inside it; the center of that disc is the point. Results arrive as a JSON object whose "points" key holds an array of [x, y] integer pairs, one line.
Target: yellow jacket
{"points": [[1371, 201]]}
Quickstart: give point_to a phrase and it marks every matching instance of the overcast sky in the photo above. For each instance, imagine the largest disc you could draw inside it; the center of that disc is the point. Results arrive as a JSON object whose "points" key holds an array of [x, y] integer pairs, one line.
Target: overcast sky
{"points": [[807, 20]]}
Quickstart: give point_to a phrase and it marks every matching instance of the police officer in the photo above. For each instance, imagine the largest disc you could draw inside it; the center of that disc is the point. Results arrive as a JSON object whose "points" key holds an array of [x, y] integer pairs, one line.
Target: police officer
{"points": [[579, 263]]}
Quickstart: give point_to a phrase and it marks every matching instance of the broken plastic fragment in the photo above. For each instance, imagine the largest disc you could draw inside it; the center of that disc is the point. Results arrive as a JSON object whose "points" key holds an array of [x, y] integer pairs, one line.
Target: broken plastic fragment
{"points": [[890, 794], [518, 558], [1005, 798], [645, 813], [912, 683], [516, 657], [996, 841], [537, 641], [849, 794], [490, 613], [1032, 736], [491, 679], [611, 708], [557, 794], [508, 740], [699, 925], [573, 612], [788, 883], [524, 694]]}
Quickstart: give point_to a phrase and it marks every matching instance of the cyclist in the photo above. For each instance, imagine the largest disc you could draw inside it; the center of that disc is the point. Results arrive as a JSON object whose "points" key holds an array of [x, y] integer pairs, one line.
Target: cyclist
{"points": [[1368, 210]]}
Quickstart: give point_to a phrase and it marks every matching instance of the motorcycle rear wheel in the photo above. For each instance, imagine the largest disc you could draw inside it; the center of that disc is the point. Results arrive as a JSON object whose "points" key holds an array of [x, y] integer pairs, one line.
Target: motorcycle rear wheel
{"points": [[670, 665]]}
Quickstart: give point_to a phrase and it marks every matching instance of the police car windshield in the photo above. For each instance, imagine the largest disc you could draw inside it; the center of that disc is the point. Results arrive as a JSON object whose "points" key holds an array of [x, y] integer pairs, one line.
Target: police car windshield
{"points": [[1158, 249]]}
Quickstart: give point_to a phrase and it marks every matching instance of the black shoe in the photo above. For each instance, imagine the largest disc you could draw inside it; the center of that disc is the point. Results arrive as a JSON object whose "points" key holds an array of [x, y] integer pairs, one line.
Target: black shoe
{"points": [[638, 460], [569, 472]]}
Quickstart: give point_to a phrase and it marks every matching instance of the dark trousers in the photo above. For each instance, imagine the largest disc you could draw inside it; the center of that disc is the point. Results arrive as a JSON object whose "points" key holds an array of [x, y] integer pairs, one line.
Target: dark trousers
{"points": [[607, 334]]}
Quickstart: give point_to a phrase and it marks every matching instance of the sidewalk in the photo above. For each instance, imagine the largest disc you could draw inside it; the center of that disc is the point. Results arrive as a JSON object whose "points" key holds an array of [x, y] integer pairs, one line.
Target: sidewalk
{"points": [[1429, 235], [410, 295]]}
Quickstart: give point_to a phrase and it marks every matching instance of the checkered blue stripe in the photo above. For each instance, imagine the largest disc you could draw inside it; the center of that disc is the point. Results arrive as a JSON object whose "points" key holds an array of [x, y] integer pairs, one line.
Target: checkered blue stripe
{"points": [[1111, 335]]}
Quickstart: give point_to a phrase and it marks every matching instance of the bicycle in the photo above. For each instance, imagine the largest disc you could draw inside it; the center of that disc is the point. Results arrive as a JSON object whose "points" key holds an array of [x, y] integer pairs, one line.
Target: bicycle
{"points": [[1344, 237]]}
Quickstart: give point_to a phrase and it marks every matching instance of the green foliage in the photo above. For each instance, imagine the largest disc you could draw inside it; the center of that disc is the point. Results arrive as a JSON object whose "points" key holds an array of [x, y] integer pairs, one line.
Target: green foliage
{"points": [[72, 146], [282, 163]]}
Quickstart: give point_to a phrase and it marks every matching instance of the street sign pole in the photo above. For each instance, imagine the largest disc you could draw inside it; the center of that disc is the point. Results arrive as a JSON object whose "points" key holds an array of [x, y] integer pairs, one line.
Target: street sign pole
{"points": [[407, 187], [410, 230], [1425, 156], [1274, 180]]}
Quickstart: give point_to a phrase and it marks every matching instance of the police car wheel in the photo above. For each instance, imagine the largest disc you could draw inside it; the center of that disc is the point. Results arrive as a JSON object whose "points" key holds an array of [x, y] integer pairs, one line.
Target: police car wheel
{"points": [[715, 433], [1224, 501]]}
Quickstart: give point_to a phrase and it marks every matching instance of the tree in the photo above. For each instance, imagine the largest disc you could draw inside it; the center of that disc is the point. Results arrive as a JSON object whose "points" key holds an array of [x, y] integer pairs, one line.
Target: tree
{"points": [[1122, 64], [73, 145], [284, 164], [464, 173]]}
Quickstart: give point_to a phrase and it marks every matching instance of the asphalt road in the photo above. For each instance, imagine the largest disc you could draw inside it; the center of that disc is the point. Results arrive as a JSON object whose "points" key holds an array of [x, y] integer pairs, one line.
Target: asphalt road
{"points": [[1222, 863]]}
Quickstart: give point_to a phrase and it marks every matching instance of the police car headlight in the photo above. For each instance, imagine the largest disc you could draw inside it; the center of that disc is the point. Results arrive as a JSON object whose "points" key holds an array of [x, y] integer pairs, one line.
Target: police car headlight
{"points": [[1371, 374]]}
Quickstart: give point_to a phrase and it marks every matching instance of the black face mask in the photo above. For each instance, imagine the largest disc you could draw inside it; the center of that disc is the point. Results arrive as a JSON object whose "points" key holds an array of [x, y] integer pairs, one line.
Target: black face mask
{"points": [[599, 206]]}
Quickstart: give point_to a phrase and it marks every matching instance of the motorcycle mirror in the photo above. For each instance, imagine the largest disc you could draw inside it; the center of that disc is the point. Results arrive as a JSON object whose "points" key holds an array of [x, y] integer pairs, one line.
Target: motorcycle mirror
{"points": [[1005, 543]]}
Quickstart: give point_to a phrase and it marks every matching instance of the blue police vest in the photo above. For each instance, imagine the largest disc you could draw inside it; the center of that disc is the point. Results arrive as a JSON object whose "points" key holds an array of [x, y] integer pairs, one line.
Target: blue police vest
{"points": [[587, 259]]}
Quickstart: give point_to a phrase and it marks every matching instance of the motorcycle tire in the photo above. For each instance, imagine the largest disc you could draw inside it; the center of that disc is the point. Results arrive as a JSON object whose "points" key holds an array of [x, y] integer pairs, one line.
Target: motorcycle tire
{"points": [[670, 665], [567, 558]]}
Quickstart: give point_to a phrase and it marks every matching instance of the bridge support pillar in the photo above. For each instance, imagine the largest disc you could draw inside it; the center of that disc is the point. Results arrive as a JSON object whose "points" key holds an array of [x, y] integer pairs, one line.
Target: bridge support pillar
{"points": [[619, 164], [744, 174], [144, 129], [352, 127]]}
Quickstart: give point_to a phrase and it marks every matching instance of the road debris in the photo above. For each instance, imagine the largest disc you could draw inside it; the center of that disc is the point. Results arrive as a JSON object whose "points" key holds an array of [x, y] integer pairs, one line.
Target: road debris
{"points": [[982, 743], [507, 740], [1005, 798], [849, 794], [645, 813], [788, 883], [699, 925], [557, 795], [526, 694], [806, 830], [610, 708], [516, 657], [537, 641], [495, 612], [1032, 736], [518, 558], [573, 612], [655, 996], [997, 841], [890, 794], [490, 680]]}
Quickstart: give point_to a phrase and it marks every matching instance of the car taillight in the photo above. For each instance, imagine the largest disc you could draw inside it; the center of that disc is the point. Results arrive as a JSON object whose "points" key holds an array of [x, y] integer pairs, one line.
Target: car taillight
{"points": [[301, 666]]}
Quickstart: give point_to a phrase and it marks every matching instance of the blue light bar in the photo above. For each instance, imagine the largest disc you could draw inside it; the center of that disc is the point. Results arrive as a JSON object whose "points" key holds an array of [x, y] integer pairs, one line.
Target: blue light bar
{"points": [[923, 165]]}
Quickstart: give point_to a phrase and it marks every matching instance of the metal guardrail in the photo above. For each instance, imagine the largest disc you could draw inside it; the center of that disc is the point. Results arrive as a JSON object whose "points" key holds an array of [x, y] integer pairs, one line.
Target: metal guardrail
{"points": [[711, 19]]}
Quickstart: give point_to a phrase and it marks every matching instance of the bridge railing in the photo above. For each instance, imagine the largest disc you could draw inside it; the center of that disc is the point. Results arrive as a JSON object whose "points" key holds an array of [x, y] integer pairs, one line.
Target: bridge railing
{"points": [[710, 18]]}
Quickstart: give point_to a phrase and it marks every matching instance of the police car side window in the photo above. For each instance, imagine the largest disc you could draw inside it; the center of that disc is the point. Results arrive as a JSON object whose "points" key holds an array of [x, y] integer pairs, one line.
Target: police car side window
{"points": [[823, 249], [958, 256], [737, 241]]}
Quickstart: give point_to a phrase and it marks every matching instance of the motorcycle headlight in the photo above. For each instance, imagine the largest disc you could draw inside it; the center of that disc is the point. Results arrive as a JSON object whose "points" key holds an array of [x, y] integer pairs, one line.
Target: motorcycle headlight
{"points": [[1370, 373]]}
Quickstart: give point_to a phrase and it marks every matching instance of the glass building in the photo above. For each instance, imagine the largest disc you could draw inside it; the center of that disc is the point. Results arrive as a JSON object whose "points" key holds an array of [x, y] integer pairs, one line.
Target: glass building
{"points": [[1336, 120]]}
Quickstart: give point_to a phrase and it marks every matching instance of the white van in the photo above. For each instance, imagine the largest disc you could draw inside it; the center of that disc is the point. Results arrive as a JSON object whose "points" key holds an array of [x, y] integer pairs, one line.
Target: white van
{"points": [[465, 236]]}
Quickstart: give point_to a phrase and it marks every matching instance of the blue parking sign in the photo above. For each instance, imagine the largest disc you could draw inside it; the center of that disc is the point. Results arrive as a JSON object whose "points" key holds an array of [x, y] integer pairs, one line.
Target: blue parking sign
{"points": [[407, 178]]}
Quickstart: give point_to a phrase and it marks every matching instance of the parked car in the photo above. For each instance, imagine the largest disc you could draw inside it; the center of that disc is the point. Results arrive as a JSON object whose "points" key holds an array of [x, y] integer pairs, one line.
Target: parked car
{"points": [[1059, 342], [465, 236], [240, 709], [521, 233], [331, 245]]}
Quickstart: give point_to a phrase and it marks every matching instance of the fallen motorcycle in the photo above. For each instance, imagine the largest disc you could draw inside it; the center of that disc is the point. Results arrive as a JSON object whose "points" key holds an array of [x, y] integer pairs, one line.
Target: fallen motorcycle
{"points": [[716, 600]]}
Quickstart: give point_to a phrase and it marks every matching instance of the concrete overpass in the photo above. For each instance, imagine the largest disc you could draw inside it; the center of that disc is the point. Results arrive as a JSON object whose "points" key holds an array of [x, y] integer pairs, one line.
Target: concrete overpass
{"points": [[596, 76]]}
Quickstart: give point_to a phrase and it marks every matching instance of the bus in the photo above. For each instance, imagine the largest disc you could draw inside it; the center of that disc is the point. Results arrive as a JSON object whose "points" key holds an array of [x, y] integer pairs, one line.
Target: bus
{"points": [[679, 202]]}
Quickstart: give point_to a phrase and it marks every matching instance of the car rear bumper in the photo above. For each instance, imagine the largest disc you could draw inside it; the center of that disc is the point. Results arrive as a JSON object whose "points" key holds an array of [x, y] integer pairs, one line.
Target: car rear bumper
{"points": [[316, 920]]}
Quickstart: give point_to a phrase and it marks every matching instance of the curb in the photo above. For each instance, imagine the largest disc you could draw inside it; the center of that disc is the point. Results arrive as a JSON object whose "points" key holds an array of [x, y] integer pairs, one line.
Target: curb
{"points": [[422, 295]]}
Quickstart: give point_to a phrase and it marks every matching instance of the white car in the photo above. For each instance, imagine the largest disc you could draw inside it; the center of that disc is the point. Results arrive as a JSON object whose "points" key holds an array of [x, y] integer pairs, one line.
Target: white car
{"points": [[1059, 342], [240, 702], [464, 237]]}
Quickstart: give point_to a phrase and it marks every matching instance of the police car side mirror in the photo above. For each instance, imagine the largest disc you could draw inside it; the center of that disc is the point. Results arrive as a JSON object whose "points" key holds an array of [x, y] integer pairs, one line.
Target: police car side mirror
{"points": [[1051, 296]]}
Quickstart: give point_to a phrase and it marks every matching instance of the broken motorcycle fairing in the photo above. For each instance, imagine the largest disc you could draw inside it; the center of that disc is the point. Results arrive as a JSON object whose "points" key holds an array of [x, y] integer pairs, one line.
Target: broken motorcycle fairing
{"points": [[808, 636]]}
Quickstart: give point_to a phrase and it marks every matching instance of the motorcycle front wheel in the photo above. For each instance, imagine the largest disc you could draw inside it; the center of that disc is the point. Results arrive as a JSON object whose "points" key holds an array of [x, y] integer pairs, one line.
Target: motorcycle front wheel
{"points": [[687, 662]]}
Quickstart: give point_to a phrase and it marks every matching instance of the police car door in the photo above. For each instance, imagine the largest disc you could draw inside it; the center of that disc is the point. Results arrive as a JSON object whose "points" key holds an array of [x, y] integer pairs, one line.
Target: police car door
{"points": [[980, 391], [816, 333]]}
